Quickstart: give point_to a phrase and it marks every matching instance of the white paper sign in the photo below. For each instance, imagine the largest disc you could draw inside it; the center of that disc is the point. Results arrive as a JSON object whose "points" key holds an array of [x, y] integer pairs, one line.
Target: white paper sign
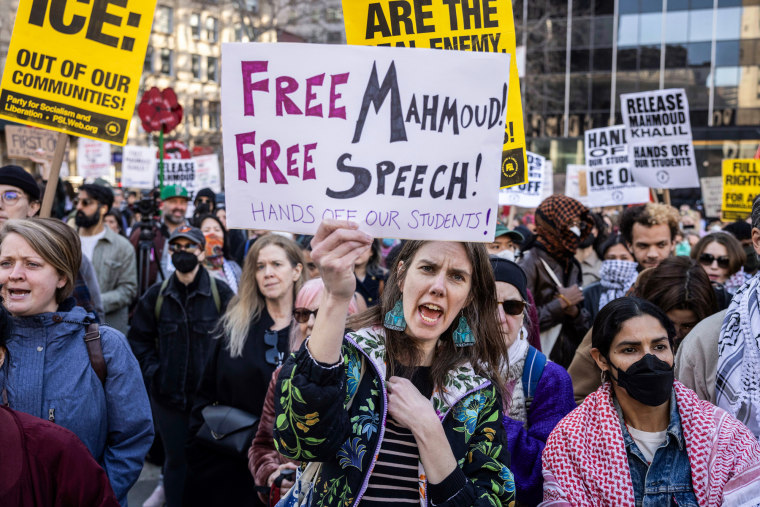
{"points": [[527, 195], [138, 166], [207, 173], [402, 141], [575, 183], [659, 138], [179, 171], [94, 159], [712, 195], [608, 180]]}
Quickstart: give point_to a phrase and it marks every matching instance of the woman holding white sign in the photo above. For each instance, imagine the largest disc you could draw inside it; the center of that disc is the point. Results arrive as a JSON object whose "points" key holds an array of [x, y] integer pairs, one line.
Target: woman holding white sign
{"points": [[407, 408]]}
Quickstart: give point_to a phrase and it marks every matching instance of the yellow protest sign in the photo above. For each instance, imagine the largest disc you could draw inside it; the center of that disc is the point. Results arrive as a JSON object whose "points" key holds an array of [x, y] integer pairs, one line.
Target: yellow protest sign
{"points": [[741, 183], [481, 25], [75, 66]]}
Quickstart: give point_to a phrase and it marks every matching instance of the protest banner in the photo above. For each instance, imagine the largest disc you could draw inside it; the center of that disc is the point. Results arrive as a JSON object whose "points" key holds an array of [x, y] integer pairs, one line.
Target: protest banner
{"points": [[178, 171], [658, 128], [576, 185], [487, 25], [712, 195], [530, 194], [741, 184], [138, 167], [207, 173], [75, 67], [609, 180], [30, 143], [94, 159], [387, 137]]}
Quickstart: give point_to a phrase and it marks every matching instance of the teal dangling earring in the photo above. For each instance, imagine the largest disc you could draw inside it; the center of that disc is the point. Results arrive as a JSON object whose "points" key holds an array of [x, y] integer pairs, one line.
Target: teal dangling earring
{"points": [[394, 319], [463, 336]]}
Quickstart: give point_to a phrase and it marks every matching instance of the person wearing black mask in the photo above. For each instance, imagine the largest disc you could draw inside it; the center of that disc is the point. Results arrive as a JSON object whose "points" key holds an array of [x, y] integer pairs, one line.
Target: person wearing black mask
{"points": [[205, 204], [171, 335], [643, 438]]}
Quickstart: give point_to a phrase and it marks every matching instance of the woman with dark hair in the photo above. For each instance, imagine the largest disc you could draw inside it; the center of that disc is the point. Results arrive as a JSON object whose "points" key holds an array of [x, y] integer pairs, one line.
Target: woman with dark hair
{"points": [[722, 256], [370, 275], [218, 261], [407, 408], [618, 272], [114, 220], [643, 438], [540, 392]]}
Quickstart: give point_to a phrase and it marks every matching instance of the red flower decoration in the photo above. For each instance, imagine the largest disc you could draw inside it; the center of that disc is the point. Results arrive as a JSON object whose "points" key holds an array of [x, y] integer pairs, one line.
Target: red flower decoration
{"points": [[159, 110]]}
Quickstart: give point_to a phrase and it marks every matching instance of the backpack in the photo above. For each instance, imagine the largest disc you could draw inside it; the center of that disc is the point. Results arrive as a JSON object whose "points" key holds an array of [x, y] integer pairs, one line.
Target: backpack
{"points": [[214, 294], [534, 368]]}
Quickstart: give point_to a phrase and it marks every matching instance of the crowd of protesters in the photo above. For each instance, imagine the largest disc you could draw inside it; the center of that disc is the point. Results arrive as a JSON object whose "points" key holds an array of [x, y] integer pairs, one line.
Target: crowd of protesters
{"points": [[580, 358]]}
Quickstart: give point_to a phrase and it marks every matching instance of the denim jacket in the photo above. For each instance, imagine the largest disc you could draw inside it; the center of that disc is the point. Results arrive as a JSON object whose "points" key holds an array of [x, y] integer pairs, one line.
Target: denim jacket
{"points": [[48, 374], [667, 480]]}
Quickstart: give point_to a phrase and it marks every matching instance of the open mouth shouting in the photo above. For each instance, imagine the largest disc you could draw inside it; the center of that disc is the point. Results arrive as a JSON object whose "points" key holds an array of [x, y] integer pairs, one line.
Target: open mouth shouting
{"points": [[430, 314]]}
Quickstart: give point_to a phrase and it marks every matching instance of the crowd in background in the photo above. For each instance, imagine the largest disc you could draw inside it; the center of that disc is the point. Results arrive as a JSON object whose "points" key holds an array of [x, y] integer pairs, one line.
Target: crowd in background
{"points": [[581, 358]]}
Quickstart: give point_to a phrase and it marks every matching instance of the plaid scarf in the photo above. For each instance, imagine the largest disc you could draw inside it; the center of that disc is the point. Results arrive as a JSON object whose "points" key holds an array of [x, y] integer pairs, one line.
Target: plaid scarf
{"points": [[617, 277], [554, 217], [737, 385]]}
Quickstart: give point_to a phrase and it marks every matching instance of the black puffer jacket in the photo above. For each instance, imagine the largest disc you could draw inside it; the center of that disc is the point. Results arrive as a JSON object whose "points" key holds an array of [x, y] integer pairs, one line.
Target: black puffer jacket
{"points": [[173, 350]]}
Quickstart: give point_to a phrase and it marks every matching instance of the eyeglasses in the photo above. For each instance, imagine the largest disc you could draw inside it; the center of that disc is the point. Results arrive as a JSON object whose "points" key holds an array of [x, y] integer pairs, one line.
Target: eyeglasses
{"points": [[707, 259], [302, 314], [11, 197], [84, 202], [512, 307], [177, 247], [273, 355]]}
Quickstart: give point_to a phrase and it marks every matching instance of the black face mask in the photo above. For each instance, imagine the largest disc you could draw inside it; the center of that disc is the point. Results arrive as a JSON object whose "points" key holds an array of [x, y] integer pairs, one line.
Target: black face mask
{"points": [[588, 241], [184, 262], [87, 221], [649, 380]]}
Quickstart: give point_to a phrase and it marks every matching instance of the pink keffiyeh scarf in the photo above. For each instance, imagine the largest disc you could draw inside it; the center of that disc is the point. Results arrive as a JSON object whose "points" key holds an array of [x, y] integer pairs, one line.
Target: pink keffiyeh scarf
{"points": [[585, 462]]}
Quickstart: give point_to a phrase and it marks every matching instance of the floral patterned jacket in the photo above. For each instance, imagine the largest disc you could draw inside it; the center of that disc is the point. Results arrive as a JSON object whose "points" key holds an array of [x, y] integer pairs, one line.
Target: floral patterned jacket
{"points": [[336, 416]]}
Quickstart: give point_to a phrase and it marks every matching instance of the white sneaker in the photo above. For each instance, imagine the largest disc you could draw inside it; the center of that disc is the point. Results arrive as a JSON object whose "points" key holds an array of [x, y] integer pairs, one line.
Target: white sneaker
{"points": [[157, 498]]}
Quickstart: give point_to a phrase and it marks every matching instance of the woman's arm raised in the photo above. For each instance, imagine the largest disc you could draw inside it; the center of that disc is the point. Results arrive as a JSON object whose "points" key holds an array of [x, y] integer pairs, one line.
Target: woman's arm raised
{"points": [[335, 248]]}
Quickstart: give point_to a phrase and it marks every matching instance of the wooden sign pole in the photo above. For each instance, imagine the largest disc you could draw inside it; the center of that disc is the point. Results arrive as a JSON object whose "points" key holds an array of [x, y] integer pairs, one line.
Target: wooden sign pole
{"points": [[55, 169]]}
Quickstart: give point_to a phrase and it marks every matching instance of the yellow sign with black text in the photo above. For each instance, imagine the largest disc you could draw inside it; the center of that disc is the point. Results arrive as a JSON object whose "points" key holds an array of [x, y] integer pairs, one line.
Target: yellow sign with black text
{"points": [[741, 184], [75, 66], [480, 25]]}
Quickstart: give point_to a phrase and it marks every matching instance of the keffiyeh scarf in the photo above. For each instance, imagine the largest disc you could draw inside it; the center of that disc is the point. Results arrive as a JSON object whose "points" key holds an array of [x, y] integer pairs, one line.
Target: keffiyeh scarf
{"points": [[737, 384], [553, 218], [585, 461], [616, 278]]}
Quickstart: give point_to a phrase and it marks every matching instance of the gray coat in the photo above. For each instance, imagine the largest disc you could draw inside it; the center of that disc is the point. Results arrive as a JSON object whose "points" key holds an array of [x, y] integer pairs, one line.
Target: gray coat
{"points": [[116, 268]]}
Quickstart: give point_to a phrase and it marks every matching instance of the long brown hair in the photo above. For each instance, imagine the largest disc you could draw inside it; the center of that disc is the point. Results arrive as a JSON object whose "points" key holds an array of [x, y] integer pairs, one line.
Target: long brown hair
{"points": [[488, 356], [734, 249]]}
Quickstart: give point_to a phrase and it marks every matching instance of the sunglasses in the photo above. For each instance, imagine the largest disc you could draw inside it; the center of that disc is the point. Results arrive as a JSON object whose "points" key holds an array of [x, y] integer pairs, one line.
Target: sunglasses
{"points": [[302, 314], [513, 307], [84, 202], [273, 356], [707, 259], [176, 247]]}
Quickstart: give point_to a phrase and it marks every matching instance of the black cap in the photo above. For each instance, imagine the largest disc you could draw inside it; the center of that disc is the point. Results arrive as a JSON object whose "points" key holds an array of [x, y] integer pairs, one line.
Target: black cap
{"points": [[509, 272], [16, 176], [205, 192], [192, 233], [101, 193]]}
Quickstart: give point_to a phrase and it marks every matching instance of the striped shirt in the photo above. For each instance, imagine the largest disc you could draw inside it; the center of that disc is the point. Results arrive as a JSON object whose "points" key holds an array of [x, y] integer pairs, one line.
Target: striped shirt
{"points": [[394, 480]]}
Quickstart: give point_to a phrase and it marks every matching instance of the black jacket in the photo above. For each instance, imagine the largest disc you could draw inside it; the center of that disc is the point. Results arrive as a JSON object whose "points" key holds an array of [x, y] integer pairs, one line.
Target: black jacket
{"points": [[173, 351]]}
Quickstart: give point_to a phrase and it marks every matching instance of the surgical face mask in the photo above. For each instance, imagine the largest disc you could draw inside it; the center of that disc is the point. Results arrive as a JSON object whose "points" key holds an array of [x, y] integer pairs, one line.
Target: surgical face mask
{"points": [[510, 255], [649, 380], [388, 242], [576, 230]]}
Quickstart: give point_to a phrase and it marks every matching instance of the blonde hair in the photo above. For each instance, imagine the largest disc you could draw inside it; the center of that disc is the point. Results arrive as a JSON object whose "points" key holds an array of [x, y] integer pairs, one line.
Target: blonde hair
{"points": [[246, 307], [54, 241]]}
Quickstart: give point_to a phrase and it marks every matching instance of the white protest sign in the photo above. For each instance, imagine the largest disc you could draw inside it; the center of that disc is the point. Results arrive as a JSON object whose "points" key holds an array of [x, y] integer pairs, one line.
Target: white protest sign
{"points": [[609, 179], [138, 166], [391, 138], [548, 179], [93, 159], [712, 195], [179, 171], [575, 183], [207, 173], [659, 138], [527, 195]]}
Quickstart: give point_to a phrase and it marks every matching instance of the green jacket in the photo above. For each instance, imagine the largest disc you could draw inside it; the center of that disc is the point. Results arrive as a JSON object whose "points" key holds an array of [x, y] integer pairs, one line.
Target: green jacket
{"points": [[116, 268], [336, 417]]}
